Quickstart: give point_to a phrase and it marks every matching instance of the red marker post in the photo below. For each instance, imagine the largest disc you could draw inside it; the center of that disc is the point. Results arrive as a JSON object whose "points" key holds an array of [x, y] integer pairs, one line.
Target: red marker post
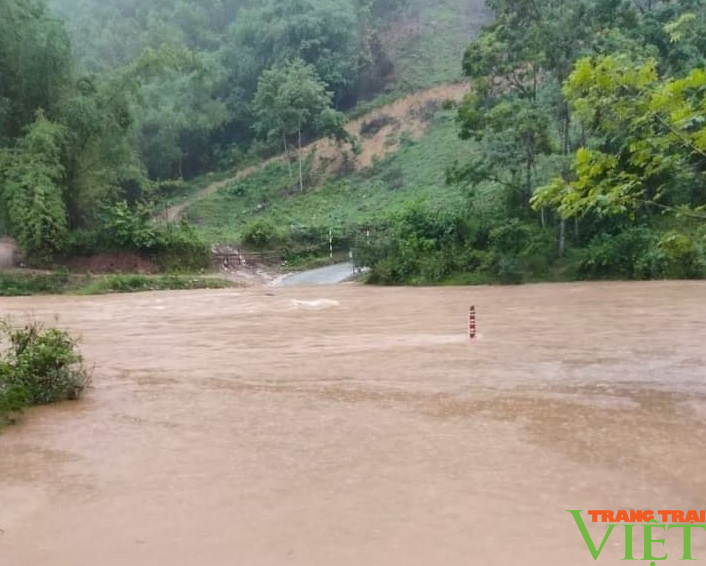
{"points": [[472, 323]]}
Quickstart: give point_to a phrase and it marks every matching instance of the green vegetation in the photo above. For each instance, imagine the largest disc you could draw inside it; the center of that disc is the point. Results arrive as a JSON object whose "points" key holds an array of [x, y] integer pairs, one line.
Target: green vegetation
{"points": [[111, 111], [195, 110], [13, 284], [133, 283], [38, 366], [587, 146], [580, 151], [438, 32], [269, 201]]}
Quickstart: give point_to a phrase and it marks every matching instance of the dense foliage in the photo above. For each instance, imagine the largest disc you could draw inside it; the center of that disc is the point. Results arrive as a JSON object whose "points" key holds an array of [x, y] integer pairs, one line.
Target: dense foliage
{"points": [[585, 131], [101, 110], [200, 116], [587, 120], [38, 366]]}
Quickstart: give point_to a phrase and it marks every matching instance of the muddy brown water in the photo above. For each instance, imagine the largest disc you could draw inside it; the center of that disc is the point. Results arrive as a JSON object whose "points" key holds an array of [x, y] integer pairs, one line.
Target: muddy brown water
{"points": [[350, 426]]}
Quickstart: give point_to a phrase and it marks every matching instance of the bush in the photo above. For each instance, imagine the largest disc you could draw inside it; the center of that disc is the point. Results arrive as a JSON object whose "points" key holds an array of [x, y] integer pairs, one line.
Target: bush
{"points": [[682, 256], [261, 234], [84, 242], [639, 253], [616, 256], [125, 227], [179, 248], [39, 366], [510, 270]]}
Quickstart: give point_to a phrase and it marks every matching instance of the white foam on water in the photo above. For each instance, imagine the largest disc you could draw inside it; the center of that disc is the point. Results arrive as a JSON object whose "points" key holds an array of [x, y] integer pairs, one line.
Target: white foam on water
{"points": [[316, 305]]}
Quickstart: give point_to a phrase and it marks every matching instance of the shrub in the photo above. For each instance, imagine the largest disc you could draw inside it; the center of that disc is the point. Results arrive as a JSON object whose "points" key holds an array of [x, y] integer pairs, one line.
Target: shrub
{"points": [[630, 254], [39, 366], [509, 270], [261, 234], [511, 237], [682, 256], [84, 242], [179, 248], [126, 227], [13, 398]]}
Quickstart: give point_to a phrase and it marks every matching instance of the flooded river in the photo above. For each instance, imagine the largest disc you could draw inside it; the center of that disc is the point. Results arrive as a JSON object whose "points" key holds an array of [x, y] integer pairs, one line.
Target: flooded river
{"points": [[349, 426]]}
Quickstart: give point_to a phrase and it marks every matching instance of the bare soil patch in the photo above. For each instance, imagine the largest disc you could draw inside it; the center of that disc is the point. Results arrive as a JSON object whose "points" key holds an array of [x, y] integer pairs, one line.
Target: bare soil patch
{"points": [[111, 263], [406, 116]]}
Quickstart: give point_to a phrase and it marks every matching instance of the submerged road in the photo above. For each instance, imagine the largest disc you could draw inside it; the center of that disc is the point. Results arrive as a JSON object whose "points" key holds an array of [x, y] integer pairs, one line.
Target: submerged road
{"points": [[330, 275]]}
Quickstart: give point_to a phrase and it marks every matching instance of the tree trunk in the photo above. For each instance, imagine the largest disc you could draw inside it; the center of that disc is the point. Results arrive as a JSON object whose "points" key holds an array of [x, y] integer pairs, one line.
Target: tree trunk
{"points": [[301, 177], [286, 156], [562, 237]]}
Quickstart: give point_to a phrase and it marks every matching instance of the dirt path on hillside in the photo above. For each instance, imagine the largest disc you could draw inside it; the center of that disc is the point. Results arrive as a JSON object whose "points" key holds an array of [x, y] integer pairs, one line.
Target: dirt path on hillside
{"points": [[347, 425], [406, 116]]}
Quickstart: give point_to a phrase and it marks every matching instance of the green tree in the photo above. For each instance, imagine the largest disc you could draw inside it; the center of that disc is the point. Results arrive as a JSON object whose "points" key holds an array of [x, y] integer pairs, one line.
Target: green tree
{"points": [[650, 148], [291, 100], [35, 65], [30, 188]]}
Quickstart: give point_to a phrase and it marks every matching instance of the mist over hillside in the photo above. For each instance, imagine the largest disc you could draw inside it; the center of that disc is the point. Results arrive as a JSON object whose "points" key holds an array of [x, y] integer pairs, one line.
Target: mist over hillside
{"points": [[198, 115]]}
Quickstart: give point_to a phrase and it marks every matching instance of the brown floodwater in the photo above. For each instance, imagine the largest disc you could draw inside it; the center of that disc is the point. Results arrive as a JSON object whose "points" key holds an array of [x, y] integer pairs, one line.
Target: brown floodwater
{"points": [[353, 426]]}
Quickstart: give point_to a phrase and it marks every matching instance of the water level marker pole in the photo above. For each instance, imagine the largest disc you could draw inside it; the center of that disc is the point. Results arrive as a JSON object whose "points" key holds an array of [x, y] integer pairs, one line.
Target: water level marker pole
{"points": [[472, 323]]}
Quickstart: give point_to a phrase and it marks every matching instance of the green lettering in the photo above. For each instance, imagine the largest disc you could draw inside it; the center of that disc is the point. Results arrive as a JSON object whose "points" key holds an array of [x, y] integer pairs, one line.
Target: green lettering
{"points": [[649, 542], [628, 543], [587, 537], [687, 537]]}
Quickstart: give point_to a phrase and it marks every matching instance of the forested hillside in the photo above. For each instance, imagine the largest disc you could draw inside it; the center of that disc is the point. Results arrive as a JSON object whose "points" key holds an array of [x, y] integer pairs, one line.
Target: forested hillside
{"points": [[580, 150], [586, 140], [200, 115], [97, 111]]}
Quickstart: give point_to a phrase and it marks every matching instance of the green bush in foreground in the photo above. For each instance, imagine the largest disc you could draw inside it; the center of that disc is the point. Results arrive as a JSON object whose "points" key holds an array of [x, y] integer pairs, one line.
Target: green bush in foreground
{"points": [[38, 366]]}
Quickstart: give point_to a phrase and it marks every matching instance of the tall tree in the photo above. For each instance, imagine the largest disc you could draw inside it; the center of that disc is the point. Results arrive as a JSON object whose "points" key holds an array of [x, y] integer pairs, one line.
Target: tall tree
{"points": [[31, 176], [291, 100]]}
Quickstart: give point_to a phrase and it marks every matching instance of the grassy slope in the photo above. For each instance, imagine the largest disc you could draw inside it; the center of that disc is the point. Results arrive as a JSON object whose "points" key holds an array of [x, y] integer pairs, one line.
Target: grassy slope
{"points": [[434, 56], [427, 50], [20, 283], [416, 171]]}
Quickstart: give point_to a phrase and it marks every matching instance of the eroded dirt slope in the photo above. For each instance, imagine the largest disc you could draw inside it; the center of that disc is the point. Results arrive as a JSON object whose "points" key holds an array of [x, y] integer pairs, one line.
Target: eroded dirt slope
{"points": [[407, 116]]}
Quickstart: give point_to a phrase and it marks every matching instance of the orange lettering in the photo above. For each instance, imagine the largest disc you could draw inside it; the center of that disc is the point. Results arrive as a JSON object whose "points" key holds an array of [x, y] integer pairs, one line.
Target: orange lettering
{"points": [[594, 515], [609, 517], [678, 516], [665, 515], [622, 516], [692, 517]]}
